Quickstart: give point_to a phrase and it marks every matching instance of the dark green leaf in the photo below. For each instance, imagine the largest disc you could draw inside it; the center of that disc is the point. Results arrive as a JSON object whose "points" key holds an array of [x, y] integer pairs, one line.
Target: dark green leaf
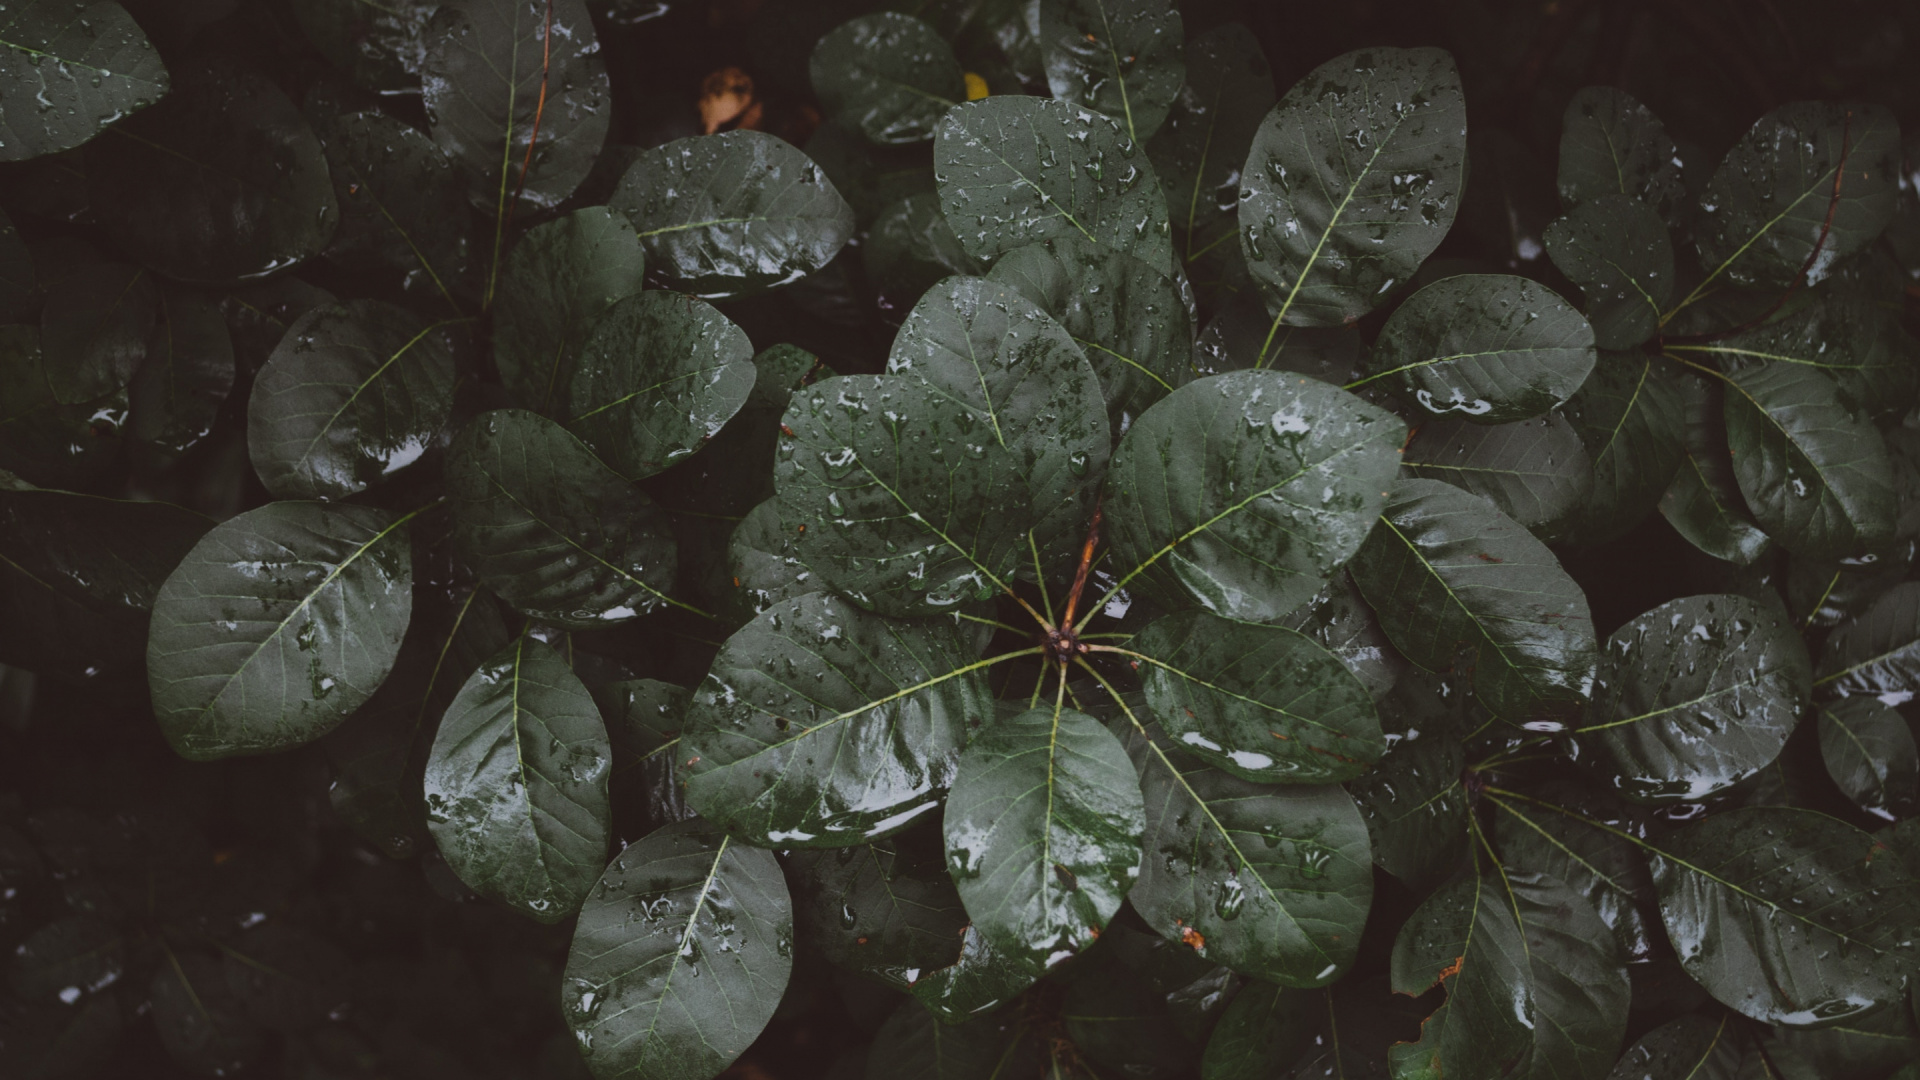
{"points": [[1823, 594], [1263, 1031], [1455, 581], [1244, 492], [1694, 1047], [561, 280], [761, 563], [1851, 340], [871, 178], [403, 207], [821, 725], [354, 393], [1877, 654], [935, 509], [523, 118], [178, 391], [18, 296], [1615, 248], [659, 376], [102, 68], [914, 1045], [42, 440], [1117, 1021], [881, 909], [1043, 831], [278, 625], [1697, 695], [1016, 170], [1344, 625], [1412, 800], [1125, 315], [1272, 882], [1209, 129], [94, 329], [1605, 867], [289, 978], [680, 955], [1243, 335], [983, 979], [201, 1021], [223, 181], [1629, 415], [1786, 915], [379, 48], [1490, 348], [556, 533], [1814, 471], [1870, 754], [66, 959], [1353, 180], [1579, 975], [911, 247], [1468, 937], [517, 783], [1536, 471], [1262, 703], [888, 76], [1774, 200], [1119, 57], [734, 213], [1865, 1047], [1610, 144], [1704, 503]]}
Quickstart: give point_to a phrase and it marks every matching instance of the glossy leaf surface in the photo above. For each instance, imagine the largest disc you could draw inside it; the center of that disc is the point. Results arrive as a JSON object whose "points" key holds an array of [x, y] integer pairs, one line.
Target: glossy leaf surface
{"points": [[1616, 248], [1466, 936], [1118, 57], [1878, 653], [1610, 144], [882, 909], [1869, 751], [103, 69], [1209, 128], [182, 383], [1704, 503], [403, 204], [1579, 976], [1630, 416], [1536, 471], [891, 77]]}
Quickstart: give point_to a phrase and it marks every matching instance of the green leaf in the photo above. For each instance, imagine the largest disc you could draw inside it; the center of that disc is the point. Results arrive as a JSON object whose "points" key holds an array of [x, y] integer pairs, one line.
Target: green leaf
{"points": [[1353, 180], [1412, 800], [981, 980], [379, 48], [1610, 144], [660, 375], [70, 956], [1616, 248], [1242, 335], [42, 440], [1579, 975], [1851, 340], [761, 563], [911, 247], [561, 280], [1467, 936], [1455, 581], [1772, 199], [981, 343], [1786, 915], [888, 76], [517, 783], [914, 1043], [1535, 471], [935, 509], [1704, 503], [354, 393], [103, 68], [1117, 1021], [1273, 882], [1629, 416], [821, 725], [1814, 471], [1244, 492], [221, 182], [1209, 128], [403, 206], [78, 576], [289, 978], [1604, 866], [1264, 1031], [871, 178], [1262, 703], [94, 329], [1869, 1046], [180, 388], [1693, 1047], [556, 533], [1490, 348], [1119, 57], [277, 626], [1043, 829], [734, 213], [1126, 316], [886, 910], [516, 94], [1344, 625], [1869, 752], [1014, 170], [1697, 695], [680, 956], [1878, 653], [201, 1021]]}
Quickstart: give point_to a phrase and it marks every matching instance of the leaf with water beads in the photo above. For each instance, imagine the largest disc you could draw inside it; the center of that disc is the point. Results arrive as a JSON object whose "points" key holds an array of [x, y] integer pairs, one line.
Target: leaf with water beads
{"points": [[889, 76], [181, 387], [1878, 653], [403, 205], [103, 68], [1629, 416], [561, 279], [1536, 471], [1579, 978], [1119, 57], [1610, 144], [1467, 936], [681, 954], [1263, 1032], [1616, 249], [1869, 751], [1210, 125], [1704, 503], [884, 909]]}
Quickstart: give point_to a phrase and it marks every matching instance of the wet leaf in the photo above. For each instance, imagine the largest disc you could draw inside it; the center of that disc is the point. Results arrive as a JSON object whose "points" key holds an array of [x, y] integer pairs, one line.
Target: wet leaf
{"points": [[1209, 128], [1704, 503], [201, 1021], [1412, 800], [379, 48], [221, 182], [1605, 867], [1610, 144], [659, 376], [561, 279], [981, 980], [1264, 1030], [516, 94], [1535, 471], [103, 69], [1117, 1021], [1615, 248], [181, 386], [734, 213], [1457, 583], [1290, 476], [1488, 348], [1344, 625], [1851, 340], [911, 247], [66, 959], [94, 329], [1466, 936], [1697, 695], [1814, 472], [354, 393], [277, 626], [1119, 57], [1014, 170], [1869, 752], [42, 440], [1629, 415], [680, 956], [888, 76], [403, 205], [556, 533], [1878, 653], [1786, 915], [884, 909], [761, 561], [1579, 977], [517, 783], [1043, 830], [821, 725], [1353, 180], [1242, 335], [1693, 1047]]}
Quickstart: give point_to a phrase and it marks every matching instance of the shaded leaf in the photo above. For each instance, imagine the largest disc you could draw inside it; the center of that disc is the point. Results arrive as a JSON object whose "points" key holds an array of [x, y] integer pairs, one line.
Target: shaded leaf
{"points": [[883, 909], [1851, 340], [1704, 503], [1117, 1021], [982, 979], [403, 206], [1579, 976], [1344, 625], [1467, 937], [94, 329], [1119, 57], [1605, 867], [1535, 471], [379, 48], [289, 978], [181, 386], [1693, 1047], [1629, 416], [913, 1043], [1615, 248], [103, 69], [1878, 653], [1610, 144], [888, 76], [201, 1021], [1263, 1031], [1869, 751], [41, 440], [1209, 128], [1243, 335], [1412, 800], [67, 958], [911, 247], [561, 279], [19, 297]]}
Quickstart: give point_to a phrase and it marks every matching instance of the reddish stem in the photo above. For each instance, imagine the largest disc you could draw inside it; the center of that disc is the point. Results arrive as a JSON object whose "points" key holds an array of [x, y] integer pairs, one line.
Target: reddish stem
{"points": [[1086, 563]]}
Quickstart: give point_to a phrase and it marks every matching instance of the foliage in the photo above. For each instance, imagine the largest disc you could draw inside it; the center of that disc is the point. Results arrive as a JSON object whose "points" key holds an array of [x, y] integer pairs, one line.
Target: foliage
{"points": [[1077, 538]]}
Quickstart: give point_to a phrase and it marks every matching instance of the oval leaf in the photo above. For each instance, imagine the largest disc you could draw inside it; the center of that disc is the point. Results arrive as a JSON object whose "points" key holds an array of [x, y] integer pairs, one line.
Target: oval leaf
{"points": [[1468, 937], [94, 329], [1610, 144], [1869, 751], [1536, 471], [886, 910], [1210, 126], [561, 280], [1629, 417], [888, 76], [1616, 249], [1704, 503], [179, 390], [102, 69], [1118, 57], [403, 205], [1878, 653]]}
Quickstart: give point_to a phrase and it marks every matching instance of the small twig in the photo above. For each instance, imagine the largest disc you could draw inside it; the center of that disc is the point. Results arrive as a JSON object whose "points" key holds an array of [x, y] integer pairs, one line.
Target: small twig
{"points": [[533, 139], [1086, 563]]}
